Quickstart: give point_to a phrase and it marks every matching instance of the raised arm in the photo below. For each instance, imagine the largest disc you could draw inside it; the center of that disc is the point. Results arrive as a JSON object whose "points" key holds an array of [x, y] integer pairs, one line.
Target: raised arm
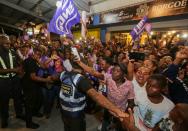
{"points": [[130, 70], [14, 70], [104, 102], [90, 70], [180, 55]]}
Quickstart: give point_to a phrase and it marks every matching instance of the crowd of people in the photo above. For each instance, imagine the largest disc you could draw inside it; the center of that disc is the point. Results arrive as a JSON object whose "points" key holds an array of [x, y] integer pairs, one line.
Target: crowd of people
{"points": [[139, 88]]}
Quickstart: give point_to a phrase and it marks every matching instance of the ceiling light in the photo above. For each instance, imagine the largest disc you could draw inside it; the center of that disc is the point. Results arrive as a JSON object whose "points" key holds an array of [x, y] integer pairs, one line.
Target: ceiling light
{"points": [[164, 36], [184, 35], [77, 41], [59, 4]]}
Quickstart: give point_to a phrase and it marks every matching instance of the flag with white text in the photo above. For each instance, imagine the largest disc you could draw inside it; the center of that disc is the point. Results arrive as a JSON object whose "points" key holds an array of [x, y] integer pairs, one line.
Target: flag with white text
{"points": [[138, 29], [64, 18]]}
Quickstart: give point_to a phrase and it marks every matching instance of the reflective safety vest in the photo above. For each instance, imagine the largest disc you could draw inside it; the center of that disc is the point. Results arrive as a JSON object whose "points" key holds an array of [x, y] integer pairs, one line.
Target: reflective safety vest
{"points": [[72, 101], [5, 67]]}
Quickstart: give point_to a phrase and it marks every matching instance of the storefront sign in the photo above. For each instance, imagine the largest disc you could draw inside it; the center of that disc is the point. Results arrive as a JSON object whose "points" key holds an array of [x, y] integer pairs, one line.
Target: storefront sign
{"points": [[156, 8]]}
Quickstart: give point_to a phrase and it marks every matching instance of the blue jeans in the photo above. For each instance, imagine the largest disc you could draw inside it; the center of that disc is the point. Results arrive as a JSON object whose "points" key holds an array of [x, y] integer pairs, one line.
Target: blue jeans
{"points": [[49, 97]]}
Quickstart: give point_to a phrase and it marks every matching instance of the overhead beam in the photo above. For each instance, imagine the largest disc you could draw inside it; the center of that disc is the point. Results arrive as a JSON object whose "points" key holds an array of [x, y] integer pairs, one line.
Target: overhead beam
{"points": [[96, 2], [47, 11], [38, 3], [19, 1], [11, 26], [82, 5], [21, 9], [7, 18]]}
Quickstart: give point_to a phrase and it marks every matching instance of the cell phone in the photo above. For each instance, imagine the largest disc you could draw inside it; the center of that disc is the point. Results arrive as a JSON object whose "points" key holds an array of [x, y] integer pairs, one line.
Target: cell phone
{"points": [[75, 52], [136, 56]]}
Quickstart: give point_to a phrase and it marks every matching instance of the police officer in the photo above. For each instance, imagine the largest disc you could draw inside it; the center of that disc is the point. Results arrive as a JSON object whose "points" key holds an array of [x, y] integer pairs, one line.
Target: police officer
{"points": [[74, 87], [9, 80]]}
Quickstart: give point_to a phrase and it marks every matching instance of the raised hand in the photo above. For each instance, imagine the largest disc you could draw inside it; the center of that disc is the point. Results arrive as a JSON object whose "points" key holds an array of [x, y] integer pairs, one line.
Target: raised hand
{"points": [[182, 54], [76, 59]]}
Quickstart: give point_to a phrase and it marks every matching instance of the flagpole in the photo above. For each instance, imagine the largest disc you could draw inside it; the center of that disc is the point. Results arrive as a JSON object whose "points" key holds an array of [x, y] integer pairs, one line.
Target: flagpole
{"points": [[83, 22], [3, 32], [129, 45]]}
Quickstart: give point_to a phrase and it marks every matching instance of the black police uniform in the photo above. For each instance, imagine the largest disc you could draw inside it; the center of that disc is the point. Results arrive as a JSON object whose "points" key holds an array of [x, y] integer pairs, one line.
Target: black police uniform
{"points": [[9, 86], [32, 91]]}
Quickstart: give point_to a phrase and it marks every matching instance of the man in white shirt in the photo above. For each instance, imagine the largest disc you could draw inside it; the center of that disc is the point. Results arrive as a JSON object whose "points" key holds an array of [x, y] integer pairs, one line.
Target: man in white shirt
{"points": [[154, 106]]}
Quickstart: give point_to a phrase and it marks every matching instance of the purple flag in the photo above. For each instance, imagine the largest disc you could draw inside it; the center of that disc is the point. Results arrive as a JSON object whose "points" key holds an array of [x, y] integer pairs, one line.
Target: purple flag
{"points": [[138, 29], [64, 18]]}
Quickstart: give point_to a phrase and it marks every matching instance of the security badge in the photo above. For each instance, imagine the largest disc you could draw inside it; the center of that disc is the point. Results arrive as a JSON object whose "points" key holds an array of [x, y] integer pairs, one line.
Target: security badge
{"points": [[66, 90]]}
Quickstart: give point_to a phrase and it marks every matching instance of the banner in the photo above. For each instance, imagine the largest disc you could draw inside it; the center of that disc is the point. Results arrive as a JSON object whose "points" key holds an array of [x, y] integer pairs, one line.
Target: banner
{"points": [[138, 29], [64, 18], [152, 9]]}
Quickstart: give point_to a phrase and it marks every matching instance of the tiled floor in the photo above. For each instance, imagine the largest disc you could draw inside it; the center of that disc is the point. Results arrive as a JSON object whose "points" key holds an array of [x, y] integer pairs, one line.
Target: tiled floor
{"points": [[52, 124]]}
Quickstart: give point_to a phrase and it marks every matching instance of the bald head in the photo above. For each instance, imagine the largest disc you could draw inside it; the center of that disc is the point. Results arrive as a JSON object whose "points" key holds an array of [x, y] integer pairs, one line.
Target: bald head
{"points": [[4, 41]]}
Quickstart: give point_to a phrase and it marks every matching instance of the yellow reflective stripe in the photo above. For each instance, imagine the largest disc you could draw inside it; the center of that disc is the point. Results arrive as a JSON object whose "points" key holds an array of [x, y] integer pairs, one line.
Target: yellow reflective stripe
{"points": [[4, 66], [11, 60], [7, 75], [3, 63], [4, 76]]}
